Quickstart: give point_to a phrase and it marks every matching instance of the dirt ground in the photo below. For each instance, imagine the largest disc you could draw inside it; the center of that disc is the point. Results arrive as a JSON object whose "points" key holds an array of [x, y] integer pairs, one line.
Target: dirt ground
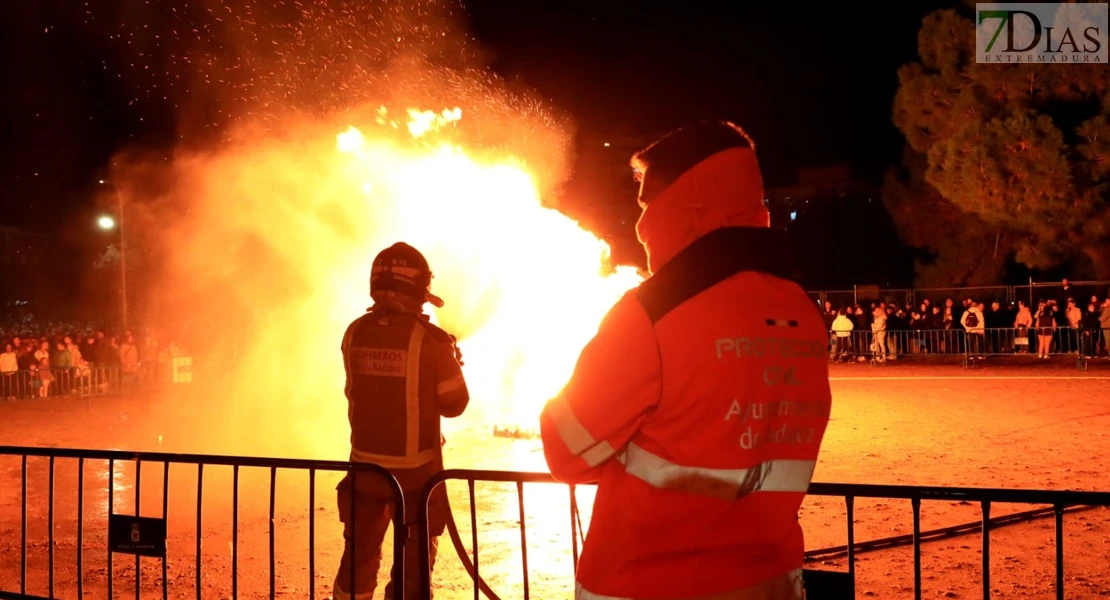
{"points": [[1011, 426]]}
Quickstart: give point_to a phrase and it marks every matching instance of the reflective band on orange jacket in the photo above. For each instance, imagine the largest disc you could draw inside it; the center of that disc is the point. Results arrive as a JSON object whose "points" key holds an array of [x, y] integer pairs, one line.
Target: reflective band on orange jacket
{"points": [[702, 429]]}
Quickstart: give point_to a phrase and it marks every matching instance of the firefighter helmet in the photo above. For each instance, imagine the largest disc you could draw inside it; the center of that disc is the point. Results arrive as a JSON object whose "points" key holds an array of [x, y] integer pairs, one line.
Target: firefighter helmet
{"points": [[403, 270]]}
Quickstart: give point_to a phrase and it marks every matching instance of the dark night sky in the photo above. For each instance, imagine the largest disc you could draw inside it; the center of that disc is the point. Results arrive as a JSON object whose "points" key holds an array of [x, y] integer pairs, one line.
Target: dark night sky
{"points": [[812, 85]]}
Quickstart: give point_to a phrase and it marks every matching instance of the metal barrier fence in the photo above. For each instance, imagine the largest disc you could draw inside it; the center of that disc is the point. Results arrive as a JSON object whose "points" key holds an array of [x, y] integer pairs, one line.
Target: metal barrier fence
{"points": [[1060, 501], [1080, 290], [896, 344], [150, 536], [82, 381], [1082, 344]]}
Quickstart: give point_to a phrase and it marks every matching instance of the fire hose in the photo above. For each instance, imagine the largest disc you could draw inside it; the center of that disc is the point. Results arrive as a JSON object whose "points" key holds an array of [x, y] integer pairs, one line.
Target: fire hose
{"points": [[937, 534], [453, 527], [464, 556], [456, 539]]}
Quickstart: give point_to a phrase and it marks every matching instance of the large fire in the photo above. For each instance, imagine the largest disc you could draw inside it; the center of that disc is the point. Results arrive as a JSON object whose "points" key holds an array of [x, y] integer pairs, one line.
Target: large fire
{"points": [[525, 286], [291, 238]]}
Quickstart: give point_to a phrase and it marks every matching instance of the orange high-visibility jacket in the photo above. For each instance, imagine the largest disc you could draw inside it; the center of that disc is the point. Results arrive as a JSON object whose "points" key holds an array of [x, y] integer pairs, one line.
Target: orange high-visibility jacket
{"points": [[702, 428]]}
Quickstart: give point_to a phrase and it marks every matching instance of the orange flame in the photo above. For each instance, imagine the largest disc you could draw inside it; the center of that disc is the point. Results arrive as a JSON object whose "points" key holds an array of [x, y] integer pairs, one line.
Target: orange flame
{"points": [[283, 231], [526, 286]]}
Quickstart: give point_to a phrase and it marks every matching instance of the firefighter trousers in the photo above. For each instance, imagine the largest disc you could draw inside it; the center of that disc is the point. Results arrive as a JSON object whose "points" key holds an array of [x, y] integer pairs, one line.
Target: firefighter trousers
{"points": [[364, 536]]}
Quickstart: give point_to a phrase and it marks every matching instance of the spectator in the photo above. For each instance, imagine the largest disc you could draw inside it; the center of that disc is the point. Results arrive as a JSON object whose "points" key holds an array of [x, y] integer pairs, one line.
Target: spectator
{"points": [[9, 364], [62, 359], [113, 358], [36, 383], [61, 366], [8, 361], [45, 378], [88, 350], [896, 322], [25, 356], [829, 315], [1091, 331], [917, 325], [43, 353], [129, 359], [1046, 326], [842, 326], [1074, 318], [1022, 323], [101, 355], [862, 323], [973, 323], [1064, 293], [949, 339], [932, 322], [74, 350], [997, 322], [878, 330], [1104, 321]]}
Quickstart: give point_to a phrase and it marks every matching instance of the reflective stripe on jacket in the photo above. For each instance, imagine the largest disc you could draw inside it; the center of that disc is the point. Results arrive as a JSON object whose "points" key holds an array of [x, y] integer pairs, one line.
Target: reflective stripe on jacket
{"points": [[703, 429], [402, 376]]}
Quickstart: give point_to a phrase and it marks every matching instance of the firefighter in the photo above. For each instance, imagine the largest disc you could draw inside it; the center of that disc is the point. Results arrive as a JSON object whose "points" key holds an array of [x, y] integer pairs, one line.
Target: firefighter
{"points": [[403, 374], [700, 404]]}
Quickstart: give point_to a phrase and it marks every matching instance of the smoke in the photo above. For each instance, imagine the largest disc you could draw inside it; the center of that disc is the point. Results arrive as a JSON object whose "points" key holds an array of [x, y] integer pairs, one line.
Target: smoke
{"points": [[260, 229]]}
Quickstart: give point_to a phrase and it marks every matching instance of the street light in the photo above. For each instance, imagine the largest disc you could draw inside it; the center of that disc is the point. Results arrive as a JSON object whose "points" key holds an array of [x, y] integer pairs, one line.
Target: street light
{"points": [[106, 222]]}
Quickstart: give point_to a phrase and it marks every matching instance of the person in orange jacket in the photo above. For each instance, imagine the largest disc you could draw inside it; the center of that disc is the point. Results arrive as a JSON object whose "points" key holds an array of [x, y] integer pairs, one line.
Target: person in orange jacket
{"points": [[700, 405]]}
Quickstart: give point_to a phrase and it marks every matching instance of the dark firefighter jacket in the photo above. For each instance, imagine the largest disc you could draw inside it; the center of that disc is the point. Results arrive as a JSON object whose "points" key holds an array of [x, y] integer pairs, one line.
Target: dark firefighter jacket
{"points": [[402, 376]]}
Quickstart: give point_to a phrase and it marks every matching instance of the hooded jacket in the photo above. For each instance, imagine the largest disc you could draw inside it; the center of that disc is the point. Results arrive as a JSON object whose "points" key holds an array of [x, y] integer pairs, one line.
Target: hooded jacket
{"points": [[702, 429]]}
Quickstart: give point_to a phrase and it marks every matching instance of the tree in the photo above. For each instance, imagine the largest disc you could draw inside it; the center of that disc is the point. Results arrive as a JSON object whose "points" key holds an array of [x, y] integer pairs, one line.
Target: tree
{"points": [[1003, 161], [925, 219]]}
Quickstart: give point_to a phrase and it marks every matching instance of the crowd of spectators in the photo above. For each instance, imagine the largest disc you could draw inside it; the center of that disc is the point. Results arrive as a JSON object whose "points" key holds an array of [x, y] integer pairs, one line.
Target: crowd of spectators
{"points": [[1060, 323], [57, 359]]}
